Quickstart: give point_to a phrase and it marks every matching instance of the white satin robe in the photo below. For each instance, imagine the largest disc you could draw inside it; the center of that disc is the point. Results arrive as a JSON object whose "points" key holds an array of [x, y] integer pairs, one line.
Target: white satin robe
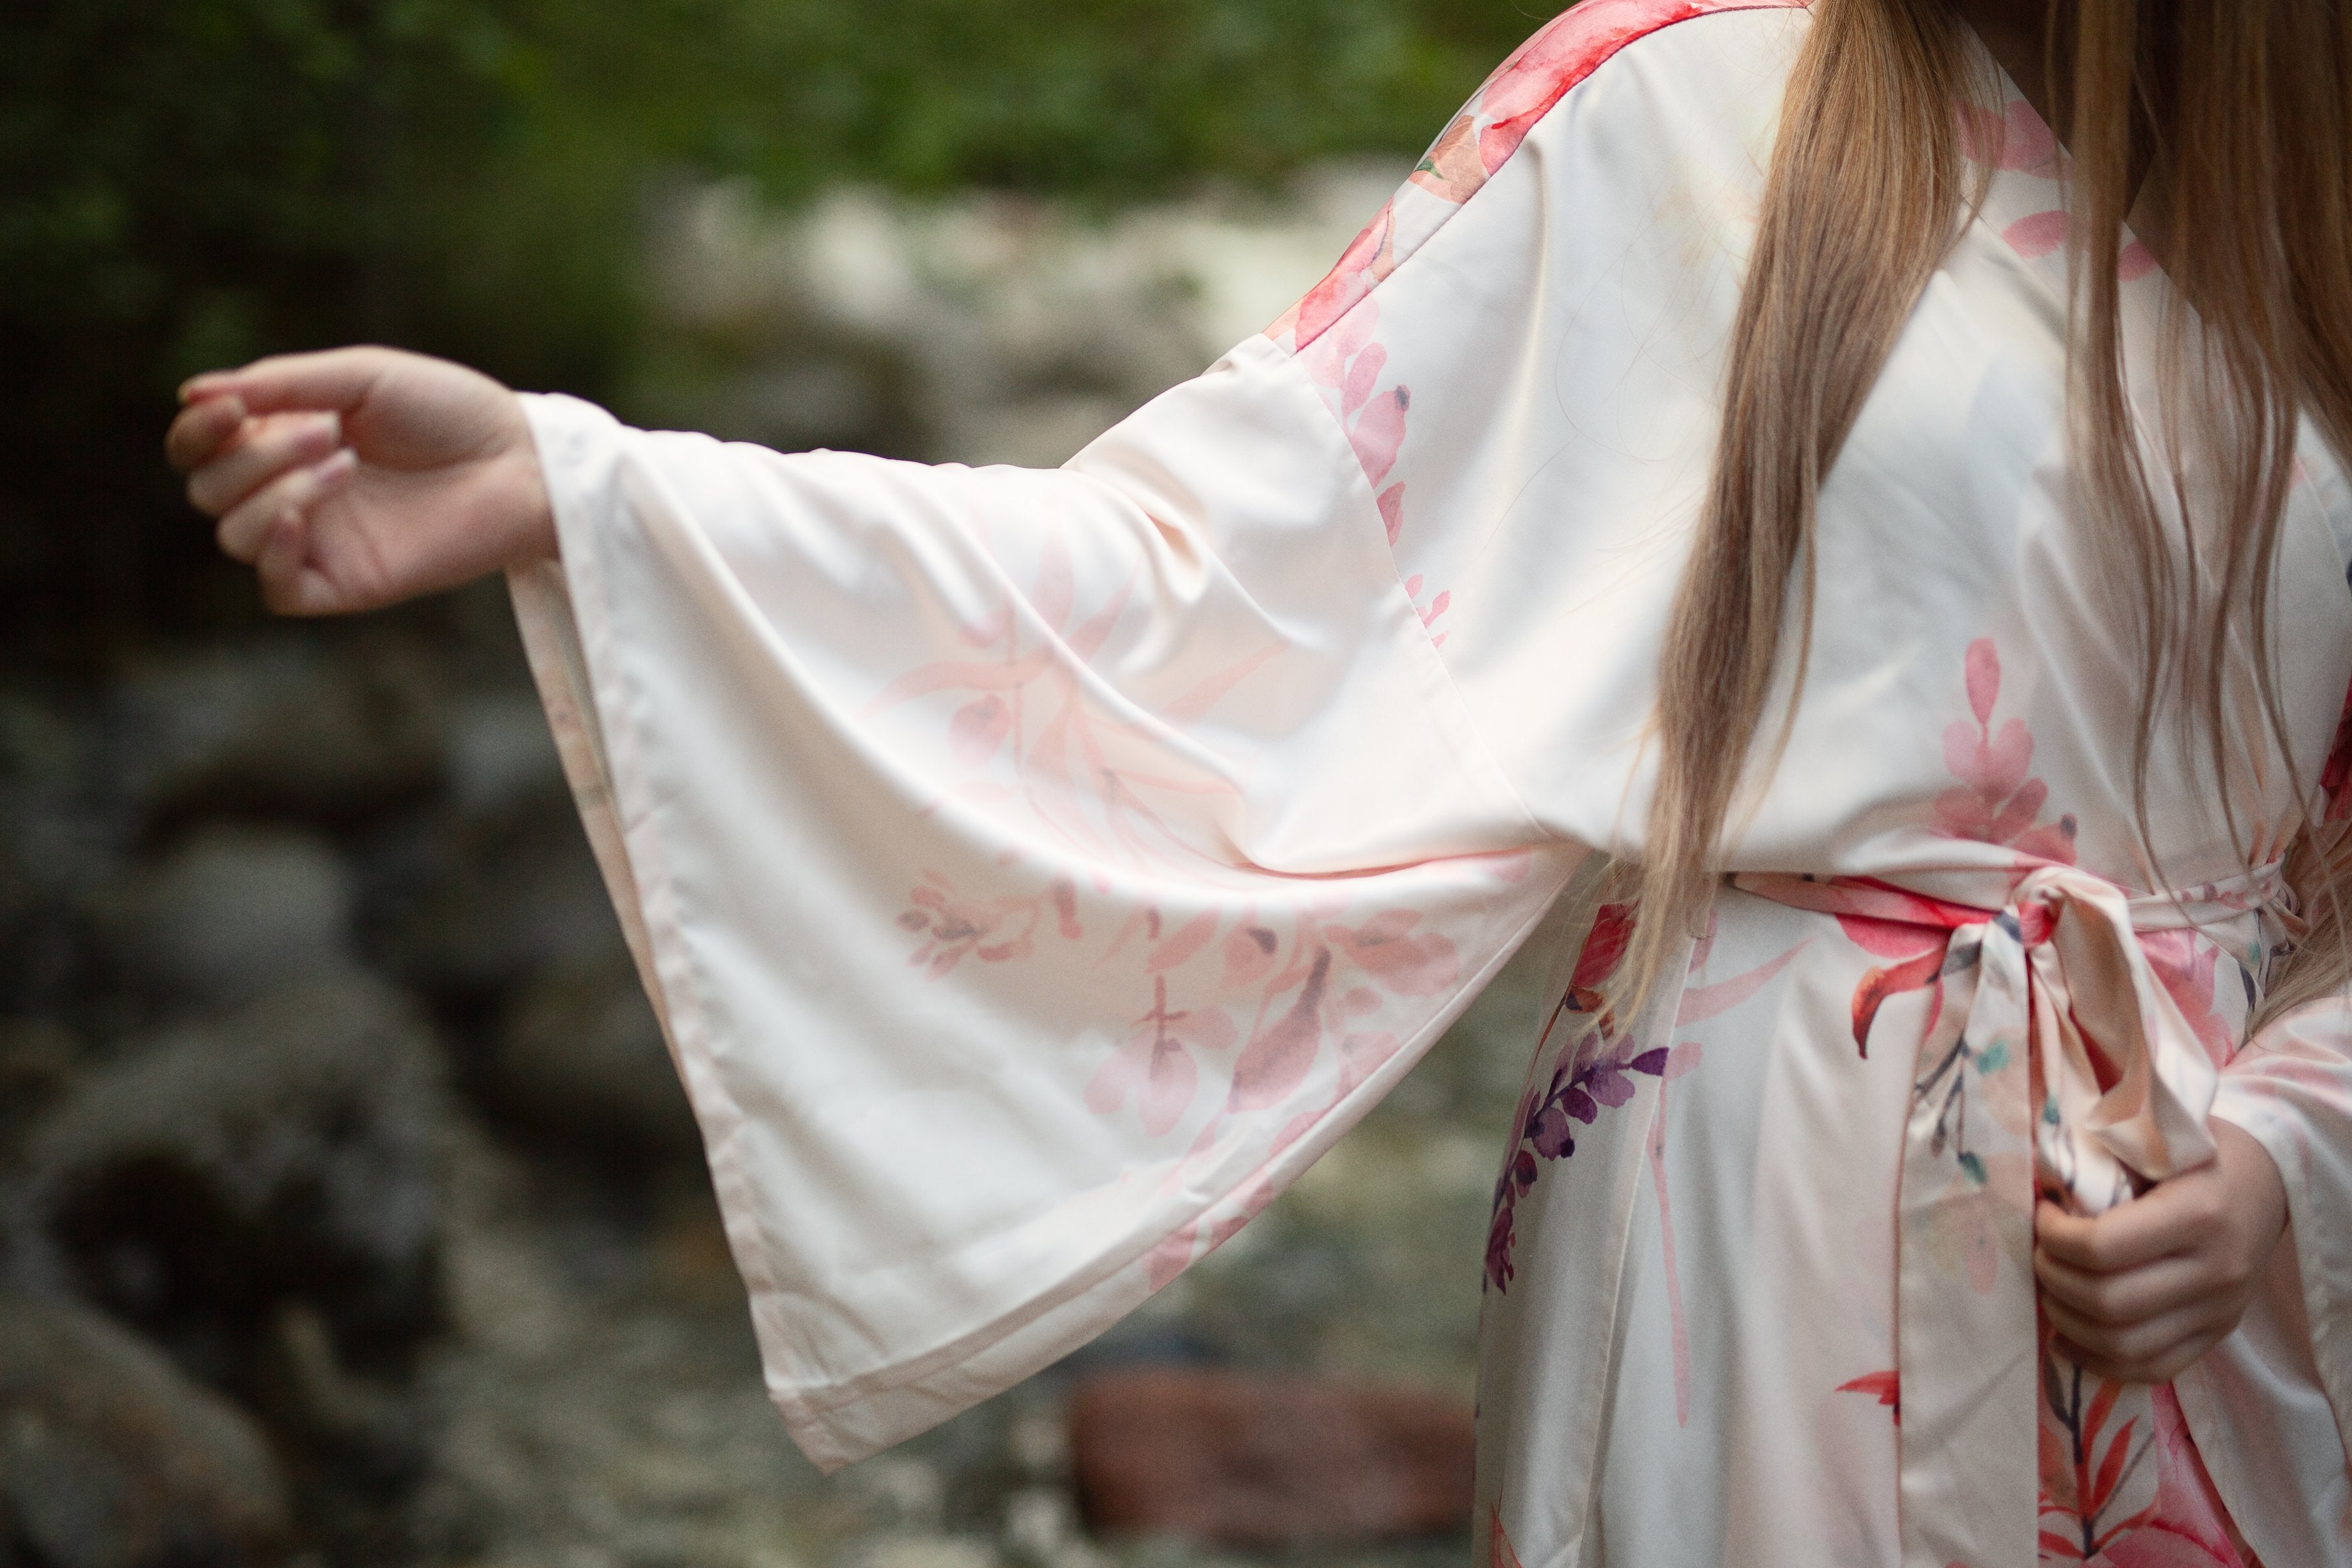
{"points": [[1036, 872]]}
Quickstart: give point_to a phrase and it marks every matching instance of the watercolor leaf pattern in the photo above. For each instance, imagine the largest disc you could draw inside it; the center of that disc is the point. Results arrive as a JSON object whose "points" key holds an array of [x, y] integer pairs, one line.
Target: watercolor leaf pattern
{"points": [[2086, 1468], [1996, 801]]}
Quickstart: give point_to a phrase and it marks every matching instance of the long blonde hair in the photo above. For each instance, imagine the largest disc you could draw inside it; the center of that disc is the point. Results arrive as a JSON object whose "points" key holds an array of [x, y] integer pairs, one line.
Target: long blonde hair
{"points": [[2244, 113]]}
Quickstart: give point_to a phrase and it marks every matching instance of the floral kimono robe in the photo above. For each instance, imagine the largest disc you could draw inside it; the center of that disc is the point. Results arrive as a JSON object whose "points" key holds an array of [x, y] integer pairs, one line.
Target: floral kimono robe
{"points": [[1036, 872]]}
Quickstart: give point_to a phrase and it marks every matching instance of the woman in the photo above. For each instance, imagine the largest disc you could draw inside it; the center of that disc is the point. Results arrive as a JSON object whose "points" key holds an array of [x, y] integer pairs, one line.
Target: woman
{"points": [[1737, 478]]}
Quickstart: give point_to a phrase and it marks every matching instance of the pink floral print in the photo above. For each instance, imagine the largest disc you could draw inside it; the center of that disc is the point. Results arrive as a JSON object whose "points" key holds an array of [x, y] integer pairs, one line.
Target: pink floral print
{"points": [[1996, 802], [1487, 132], [1346, 364]]}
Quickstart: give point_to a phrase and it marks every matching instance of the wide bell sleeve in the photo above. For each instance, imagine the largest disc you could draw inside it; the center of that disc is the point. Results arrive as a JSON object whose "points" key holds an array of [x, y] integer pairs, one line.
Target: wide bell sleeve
{"points": [[2281, 1388], [1034, 871]]}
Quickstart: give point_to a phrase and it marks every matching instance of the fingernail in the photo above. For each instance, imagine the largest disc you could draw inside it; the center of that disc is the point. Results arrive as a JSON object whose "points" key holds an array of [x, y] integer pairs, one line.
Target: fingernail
{"points": [[336, 470]]}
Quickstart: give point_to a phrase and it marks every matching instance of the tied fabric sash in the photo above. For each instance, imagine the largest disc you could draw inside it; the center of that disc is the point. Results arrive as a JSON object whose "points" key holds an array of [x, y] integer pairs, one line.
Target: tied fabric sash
{"points": [[2054, 1058]]}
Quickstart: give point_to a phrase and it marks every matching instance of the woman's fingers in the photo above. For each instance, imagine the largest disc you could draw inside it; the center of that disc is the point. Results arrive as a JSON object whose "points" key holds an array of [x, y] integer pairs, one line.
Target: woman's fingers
{"points": [[262, 449], [335, 381], [2148, 1352], [2161, 1365], [2169, 1218], [2131, 1296], [247, 526], [290, 584], [201, 430]]}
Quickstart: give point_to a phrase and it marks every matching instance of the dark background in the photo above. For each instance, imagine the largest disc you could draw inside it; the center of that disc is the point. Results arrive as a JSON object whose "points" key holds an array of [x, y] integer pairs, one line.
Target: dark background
{"points": [[349, 1211], [189, 185]]}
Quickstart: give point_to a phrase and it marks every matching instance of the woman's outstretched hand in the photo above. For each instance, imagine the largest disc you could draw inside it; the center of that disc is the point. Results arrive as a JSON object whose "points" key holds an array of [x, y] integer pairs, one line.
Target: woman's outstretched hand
{"points": [[2143, 1290], [359, 478]]}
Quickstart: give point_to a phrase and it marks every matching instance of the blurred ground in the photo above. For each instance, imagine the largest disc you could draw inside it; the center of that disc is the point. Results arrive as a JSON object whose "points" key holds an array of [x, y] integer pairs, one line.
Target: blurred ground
{"points": [[349, 1213]]}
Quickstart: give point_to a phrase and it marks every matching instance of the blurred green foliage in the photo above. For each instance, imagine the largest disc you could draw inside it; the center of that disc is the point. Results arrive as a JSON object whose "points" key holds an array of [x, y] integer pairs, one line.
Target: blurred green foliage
{"points": [[191, 184]]}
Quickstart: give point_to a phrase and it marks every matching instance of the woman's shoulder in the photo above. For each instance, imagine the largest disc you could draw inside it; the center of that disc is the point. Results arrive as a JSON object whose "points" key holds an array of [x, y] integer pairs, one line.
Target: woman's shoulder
{"points": [[1650, 71], [1578, 45]]}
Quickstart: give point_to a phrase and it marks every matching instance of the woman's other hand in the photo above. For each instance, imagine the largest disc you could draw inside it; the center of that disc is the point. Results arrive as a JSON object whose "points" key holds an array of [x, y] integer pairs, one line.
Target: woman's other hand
{"points": [[2143, 1290], [359, 478]]}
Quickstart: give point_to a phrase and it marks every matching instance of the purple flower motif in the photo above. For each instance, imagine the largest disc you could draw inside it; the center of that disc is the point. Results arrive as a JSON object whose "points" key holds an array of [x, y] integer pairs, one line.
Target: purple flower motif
{"points": [[1550, 1136], [1591, 1076], [1610, 1086]]}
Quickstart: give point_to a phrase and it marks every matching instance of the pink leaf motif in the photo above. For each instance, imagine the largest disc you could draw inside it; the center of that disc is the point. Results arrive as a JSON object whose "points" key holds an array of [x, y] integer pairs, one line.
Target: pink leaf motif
{"points": [[1983, 667], [1378, 434], [1385, 948], [2005, 761], [1393, 509], [1275, 1064], [1172, 1257], [2037, 236], [1363, 377], [1353, 333], [1188, 939], [1703, 1001], [978, 730], [1250, 953], [2016, 140], [1997, 802], [2023, 810], [1157, 1067], [1365, 263], [1453, 170]]}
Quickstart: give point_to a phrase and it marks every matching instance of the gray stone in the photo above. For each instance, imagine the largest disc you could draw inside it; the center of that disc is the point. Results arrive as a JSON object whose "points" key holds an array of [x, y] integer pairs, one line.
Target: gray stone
{"points": [[329, 731], [38, 1061], [470, 905], [229, 913], [54, 844], [581, 1060], [109, 1457], [287, 1151]]}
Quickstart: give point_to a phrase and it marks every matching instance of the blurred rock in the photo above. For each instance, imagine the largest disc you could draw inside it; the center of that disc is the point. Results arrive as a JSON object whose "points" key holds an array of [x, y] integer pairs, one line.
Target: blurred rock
{"points": [[909, 1550], [229, 913], [645, 1439], [37, 1060], [1241, 1460], [54, 844], [285, 1153], [298, 727], [581, 1062], [111, 1458], [461, 906], [501, 753], [990, 328]]}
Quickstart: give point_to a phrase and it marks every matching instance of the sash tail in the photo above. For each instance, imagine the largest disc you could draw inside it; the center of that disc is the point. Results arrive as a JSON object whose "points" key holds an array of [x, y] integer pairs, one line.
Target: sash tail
{"points": [[2053, 1060]]}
